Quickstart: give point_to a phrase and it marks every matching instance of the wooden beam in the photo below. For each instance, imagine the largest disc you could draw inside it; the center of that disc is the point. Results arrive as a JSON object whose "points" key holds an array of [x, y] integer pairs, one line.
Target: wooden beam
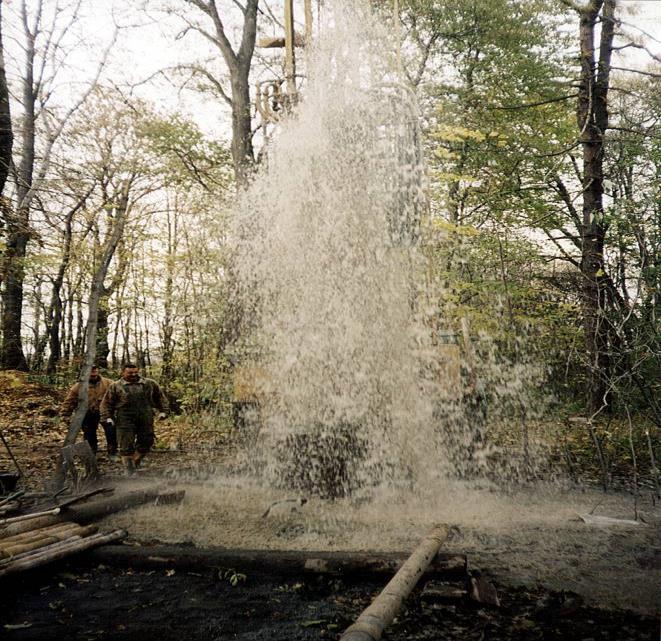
{"points": [[283, 562]]}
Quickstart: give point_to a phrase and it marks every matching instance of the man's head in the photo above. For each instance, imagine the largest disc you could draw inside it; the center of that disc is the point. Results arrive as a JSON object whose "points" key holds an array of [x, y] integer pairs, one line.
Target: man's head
{"points": [[130, 372], [95, 377]]}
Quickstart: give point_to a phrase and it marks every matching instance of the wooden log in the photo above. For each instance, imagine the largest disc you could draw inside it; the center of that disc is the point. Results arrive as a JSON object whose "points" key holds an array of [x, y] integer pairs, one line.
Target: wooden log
{"points": [[98, 509], [373, 620], [24, 537], [8, 508], [53, 546], [7, 548], [28, 517], [26, 526], [52, 538], [90, 511], [11, 497], [48, 556], [283, 562], [28, 537]]}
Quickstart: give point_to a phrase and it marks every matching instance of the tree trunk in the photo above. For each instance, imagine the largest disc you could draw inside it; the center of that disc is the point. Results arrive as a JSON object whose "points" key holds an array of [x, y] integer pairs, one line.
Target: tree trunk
{"points": [[238, 64], [592, 120], [6, 131], [102, 344], [18, 230], [54, 319], [11, 352], [243, 155], [167, 327], [96, 291]]}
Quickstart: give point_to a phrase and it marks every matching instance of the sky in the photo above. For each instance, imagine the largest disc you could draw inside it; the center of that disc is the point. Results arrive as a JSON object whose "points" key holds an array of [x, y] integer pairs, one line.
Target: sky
{"points": [[152, 47], [150, 40]]}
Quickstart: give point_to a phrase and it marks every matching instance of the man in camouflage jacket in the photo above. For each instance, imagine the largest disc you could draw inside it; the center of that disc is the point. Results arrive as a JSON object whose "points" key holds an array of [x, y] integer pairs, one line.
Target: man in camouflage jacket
{"points": [[130, 404], [98, 386]]}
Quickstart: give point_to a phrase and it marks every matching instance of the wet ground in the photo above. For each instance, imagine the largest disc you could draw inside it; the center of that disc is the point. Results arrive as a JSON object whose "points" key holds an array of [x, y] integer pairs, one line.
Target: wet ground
{"points": [[557, 577], [528, 538], [115, 604]]}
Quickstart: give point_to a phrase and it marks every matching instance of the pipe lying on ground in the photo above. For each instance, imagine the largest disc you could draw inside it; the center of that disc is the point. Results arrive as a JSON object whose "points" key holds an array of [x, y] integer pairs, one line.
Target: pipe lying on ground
{"points": [[284, 562], [373, 620]]}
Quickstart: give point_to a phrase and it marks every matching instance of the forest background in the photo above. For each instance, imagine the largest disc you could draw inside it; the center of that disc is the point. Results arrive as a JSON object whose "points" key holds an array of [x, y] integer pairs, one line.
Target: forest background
{"points": [[126, 129]]}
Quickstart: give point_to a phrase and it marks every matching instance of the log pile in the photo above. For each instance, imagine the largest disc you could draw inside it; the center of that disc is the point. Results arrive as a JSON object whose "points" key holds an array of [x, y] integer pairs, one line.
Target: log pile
{"points": [[40, 545], [34, 539]]}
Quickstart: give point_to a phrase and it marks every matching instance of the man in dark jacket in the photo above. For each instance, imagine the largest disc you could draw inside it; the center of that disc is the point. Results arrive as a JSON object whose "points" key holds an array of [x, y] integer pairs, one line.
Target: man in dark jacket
{"points": [[98, 386], [130, 404]]}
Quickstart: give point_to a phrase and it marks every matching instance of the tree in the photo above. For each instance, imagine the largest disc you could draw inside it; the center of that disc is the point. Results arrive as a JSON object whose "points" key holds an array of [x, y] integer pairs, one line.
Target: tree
{"points": [[6, 131], [115, 231], [43, 46], [238, 60], [592, 123]]}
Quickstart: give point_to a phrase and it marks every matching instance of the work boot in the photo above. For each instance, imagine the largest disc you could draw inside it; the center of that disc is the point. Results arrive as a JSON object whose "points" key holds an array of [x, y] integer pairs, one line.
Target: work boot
{"points": [[129, 465], [137, 459]]}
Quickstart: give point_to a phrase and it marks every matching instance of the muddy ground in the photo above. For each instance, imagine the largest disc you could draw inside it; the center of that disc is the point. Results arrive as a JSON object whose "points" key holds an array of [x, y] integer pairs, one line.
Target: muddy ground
{"points": [[529, 538], [90, 603], [557, 577]]}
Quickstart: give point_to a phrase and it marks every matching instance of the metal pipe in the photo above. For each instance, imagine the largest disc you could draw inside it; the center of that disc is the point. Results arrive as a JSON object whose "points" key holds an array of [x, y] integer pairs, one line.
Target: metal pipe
{"points": [[290, 56], [308, 23]]}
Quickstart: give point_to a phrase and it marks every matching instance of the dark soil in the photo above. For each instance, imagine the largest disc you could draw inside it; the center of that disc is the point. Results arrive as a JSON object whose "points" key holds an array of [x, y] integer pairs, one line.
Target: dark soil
{"points": [[123, 604]]}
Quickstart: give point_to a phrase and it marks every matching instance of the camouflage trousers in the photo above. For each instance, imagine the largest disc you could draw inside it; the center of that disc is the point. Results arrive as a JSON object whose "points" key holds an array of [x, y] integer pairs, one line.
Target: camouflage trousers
{"points": [[135, 433]]}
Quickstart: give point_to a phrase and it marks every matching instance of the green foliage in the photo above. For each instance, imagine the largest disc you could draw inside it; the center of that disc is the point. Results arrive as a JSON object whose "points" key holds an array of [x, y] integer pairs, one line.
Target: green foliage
{"points": [[616, 437], [185, 156], [231, 576]]}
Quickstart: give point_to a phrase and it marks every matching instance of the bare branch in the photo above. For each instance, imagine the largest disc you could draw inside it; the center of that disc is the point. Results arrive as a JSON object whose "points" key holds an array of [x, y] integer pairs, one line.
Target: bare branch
{"points": [[54, 135], [196, 69], [651, 74], [528, 105], [562, 190], [221, 40]]}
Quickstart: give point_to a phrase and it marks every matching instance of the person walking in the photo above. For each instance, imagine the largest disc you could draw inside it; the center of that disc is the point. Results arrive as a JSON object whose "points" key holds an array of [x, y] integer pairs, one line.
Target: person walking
{"points": [[130, 405], [97, 387]]}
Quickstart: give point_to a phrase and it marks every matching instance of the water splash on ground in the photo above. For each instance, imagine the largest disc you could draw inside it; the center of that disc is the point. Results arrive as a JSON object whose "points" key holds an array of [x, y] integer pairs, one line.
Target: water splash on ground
{"points": [[330, 257], [343, 331]]}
